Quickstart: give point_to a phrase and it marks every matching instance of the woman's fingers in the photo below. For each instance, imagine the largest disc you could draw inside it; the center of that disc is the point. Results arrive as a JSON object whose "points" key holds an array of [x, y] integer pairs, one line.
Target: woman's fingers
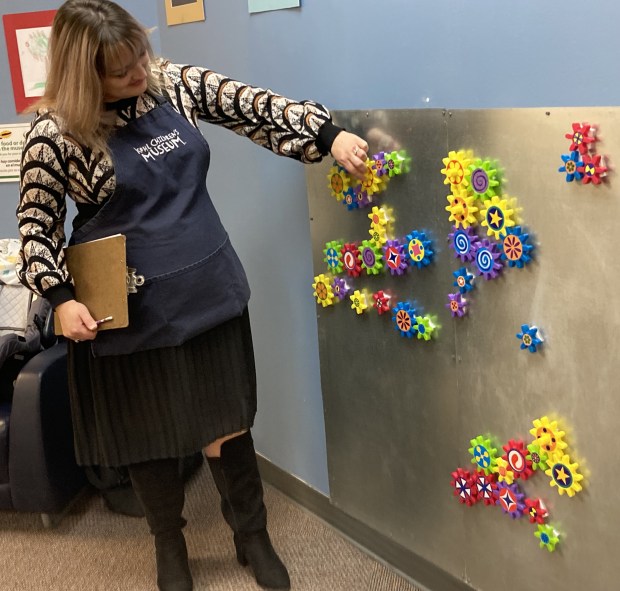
{"points": [[351, 152]]}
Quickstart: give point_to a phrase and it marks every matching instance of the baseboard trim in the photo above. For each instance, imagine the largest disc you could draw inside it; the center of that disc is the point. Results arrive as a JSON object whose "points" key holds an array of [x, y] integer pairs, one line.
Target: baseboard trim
{"points": [[421, 572]]}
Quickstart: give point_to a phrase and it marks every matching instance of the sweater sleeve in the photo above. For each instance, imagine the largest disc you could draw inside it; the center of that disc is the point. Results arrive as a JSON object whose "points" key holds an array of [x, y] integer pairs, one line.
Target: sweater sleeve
{"points": [[41, 212], [284, 126]]}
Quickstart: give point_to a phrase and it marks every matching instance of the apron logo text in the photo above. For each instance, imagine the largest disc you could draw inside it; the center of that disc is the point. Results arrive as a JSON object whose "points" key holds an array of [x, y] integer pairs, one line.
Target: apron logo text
{"points": [[160, 145]]}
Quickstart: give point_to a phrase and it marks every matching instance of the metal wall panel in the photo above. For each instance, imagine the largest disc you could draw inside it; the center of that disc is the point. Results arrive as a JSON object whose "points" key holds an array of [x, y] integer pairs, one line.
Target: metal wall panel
{"points": [[399, 414]]}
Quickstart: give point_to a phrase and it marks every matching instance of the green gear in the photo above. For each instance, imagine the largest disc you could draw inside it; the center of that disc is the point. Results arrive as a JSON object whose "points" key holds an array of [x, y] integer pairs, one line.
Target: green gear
{"points": [[378, 266], [483, 454], [334, 263], [490, 168], [548, 536], [538, 456], [424, 327]]}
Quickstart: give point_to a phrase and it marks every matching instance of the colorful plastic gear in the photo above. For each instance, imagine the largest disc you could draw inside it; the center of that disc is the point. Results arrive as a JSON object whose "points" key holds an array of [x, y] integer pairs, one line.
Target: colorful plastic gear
{"points": [[486, 487], [359, 301], [462, 208], [464, 241], [488, 260], [510, 499], [464, 280], [378, 236], [536, 510], [379, 217], [484, 178], [547, 536], [362, 197], [530, 338], [371, 257], [456, 169], [463, 486], [394, 257], [382, 301], [350, 199], [323, 290], [581, 138], [333, 256], [593, 169], [379, 164], [457, 305], [538, 456], [403, 316], [340, 288], [483, 454], [339, 182], [549, 436], [516, 250], [424, 327], [396, 162], [351, 259], [419, 249], [517, 457], [572, 164], [497, 217], [372, 183], [564, 475], [503, 471]]}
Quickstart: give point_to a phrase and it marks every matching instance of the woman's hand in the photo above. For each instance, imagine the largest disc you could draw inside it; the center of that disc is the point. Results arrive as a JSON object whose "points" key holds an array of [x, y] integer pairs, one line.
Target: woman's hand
{"points": [[77, 323], [351, 152]]}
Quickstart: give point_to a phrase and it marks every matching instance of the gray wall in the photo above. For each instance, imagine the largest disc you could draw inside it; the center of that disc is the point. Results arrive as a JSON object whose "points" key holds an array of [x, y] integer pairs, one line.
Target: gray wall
{"points": [[353, 54]]}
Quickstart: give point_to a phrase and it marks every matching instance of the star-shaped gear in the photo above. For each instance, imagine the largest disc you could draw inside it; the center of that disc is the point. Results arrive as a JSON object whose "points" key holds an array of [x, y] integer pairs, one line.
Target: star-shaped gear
{"points": [[530, 338], [464, 280], [572, 163], [382, 301], [582, 137], [536, 510], [593, 169], [497, 217], [564, 475], [547, 536], [359, 301], [340, 288], [457, 305]]}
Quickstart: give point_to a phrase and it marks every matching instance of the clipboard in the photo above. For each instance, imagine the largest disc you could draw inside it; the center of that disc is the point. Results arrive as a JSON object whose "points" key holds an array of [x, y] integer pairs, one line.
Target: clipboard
{"points": [[99, 272]]}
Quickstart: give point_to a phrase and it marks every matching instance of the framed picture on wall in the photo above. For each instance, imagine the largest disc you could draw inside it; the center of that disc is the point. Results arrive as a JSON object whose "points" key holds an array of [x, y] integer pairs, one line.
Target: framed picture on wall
{"points": [[184, 11], [27, 37]]}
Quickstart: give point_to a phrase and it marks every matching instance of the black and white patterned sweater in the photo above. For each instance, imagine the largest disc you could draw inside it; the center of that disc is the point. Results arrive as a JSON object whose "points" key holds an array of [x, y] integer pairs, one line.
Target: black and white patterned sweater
{"points": [[55, 165]]}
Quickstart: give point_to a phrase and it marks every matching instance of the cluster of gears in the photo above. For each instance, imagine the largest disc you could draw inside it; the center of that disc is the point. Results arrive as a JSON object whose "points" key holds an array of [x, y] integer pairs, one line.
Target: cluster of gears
{"points": [[477, 200], [380, 168], [582, 163], [495, 479], [381, 253]]}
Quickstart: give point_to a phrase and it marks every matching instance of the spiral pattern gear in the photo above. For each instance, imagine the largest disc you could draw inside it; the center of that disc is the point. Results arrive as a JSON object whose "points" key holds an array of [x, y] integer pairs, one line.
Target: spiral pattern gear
{"points": [[488, 260], [464, 241], [371, 257]]}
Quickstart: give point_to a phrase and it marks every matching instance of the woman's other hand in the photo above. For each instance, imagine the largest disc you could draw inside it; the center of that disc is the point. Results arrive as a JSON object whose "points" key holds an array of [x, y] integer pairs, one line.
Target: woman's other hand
{"points": [[351, 152], [76, 321]]}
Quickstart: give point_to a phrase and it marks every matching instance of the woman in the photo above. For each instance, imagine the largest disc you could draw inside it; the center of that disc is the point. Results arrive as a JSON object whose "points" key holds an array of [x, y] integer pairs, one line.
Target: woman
{"points": [[116, 132]]}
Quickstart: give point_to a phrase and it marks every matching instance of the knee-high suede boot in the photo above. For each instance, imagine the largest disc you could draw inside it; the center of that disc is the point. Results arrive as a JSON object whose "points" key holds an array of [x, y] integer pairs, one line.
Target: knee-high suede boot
{"points": [[160, 490], [238, 481]]}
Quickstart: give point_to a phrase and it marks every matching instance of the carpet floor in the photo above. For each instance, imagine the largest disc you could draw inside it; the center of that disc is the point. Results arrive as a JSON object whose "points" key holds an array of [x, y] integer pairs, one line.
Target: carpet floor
{"points": [[93, 549]]}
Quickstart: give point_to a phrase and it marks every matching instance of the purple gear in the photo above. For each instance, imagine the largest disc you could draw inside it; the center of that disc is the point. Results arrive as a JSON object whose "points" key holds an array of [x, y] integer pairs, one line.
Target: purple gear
{"points": [[362, 197], [340, 288], [464, 242], [394, 256], [510, 499], [379, 163], [456, 304], [488, 260]]}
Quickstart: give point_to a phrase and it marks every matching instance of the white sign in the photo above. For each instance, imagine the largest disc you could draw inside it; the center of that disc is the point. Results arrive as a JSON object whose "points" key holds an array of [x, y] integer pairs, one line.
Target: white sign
{"points": [[11, 145], [32, 45]]}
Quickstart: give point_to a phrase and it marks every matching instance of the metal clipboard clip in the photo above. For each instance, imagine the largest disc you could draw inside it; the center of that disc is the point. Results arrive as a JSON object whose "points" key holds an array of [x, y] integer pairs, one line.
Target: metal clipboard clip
{"points": [[134, 281]]}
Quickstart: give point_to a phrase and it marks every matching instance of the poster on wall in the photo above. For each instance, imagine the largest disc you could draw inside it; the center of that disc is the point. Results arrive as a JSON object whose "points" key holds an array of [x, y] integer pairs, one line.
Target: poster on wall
{"points": [[179, 12], [11, 144], [27, 37], [265, 5]]}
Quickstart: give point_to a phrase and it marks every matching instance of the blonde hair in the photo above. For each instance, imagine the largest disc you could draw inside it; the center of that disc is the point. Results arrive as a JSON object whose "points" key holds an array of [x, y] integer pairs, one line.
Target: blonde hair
{"points": [[87, 38]]}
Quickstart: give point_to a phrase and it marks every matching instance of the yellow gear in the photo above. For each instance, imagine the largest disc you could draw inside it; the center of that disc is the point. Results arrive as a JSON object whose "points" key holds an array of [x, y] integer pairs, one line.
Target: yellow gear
{"points": [[548, 435], [456, 169], [497, 216], [360, 301], [504, 474], [564, 475], [323, 291], [462, 209], [339, 182]]}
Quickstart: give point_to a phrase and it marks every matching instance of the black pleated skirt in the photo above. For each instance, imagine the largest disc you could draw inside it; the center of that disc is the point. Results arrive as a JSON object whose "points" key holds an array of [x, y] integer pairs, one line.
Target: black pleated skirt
{"points": [[162, 403]]}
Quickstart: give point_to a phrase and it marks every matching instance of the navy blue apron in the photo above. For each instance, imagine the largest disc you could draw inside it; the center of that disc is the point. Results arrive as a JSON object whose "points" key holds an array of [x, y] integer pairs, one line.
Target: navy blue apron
{"points": [[194, 280]]}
